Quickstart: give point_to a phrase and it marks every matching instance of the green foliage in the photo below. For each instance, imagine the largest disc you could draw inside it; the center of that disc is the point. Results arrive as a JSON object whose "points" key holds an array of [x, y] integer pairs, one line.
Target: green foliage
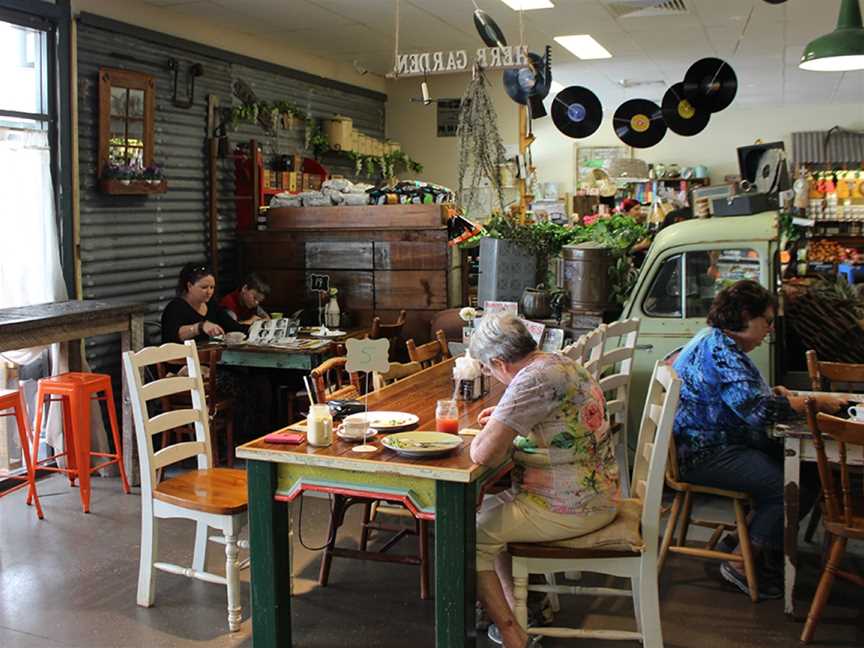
{"points": [[383, 166], [545, 241], [789, 232]]}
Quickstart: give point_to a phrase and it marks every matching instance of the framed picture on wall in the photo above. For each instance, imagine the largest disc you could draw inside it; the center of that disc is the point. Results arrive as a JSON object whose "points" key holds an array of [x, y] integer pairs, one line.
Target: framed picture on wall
{"points": [[588, 158]]}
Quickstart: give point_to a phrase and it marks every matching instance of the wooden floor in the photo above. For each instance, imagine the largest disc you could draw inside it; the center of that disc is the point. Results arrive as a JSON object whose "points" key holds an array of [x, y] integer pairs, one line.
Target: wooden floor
{"points": [[70, 580]]}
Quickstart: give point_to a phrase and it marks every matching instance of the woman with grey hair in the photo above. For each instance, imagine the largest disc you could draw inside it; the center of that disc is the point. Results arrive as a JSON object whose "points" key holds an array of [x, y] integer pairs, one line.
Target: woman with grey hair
{"points": [[552, 418]]}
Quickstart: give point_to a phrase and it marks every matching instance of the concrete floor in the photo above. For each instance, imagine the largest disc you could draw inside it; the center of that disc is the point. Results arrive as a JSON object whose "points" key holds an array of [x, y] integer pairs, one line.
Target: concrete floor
{"points": [[70, 580]]}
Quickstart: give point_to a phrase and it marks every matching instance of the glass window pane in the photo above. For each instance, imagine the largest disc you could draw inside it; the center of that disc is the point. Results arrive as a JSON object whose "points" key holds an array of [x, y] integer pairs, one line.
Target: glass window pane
{"points": [[664, 297], [118, 130], [136, 103], [709, 271], [117, 154], [136, 133], [135, 156], [118, 101], [22, 69]]}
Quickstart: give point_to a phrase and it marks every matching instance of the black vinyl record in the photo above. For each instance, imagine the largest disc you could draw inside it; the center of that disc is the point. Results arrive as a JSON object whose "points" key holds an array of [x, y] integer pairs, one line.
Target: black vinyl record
{"points": [[680, 115], [710, 84], [577, 112], [639, 123], [488, 29], [530, 81]]}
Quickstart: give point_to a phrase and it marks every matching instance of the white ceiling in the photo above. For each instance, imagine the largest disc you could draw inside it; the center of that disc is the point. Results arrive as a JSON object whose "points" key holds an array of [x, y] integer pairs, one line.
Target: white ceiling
{"points": [[647, 48]]}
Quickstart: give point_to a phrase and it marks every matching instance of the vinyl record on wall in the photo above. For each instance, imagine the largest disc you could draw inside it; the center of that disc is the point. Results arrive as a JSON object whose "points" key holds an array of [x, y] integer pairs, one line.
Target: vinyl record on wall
{"points": [[522, 83], [680, 115], [577, 112], [710, 84], [639, 123], [488, 29]]}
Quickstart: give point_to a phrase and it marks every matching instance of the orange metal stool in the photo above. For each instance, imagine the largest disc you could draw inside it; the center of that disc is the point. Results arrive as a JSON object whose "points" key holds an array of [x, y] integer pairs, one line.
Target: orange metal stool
{"points": [[12, 399], [75, 390]]}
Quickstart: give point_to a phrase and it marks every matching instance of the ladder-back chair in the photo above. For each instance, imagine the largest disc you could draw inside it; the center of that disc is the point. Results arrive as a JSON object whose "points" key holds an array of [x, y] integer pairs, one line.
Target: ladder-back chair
{"points": [[430, 353], [211, 497]]}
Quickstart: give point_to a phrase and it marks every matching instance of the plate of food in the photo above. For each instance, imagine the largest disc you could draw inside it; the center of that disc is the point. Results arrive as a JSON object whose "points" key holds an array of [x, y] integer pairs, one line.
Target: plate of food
{"points": [[418, 445], [388, 421]]}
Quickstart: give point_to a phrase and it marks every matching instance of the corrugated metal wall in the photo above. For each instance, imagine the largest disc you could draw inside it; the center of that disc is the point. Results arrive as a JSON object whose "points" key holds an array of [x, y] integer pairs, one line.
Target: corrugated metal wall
{"points": [[842, 148], [132, 247]]}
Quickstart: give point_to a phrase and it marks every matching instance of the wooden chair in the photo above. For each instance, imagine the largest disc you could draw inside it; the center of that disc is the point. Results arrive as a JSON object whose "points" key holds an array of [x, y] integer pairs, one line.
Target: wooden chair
{"points": [[614, 368], [430, 353], [576, 350], [843, 509], [221, 408], [397, 371], [390, 331], [682, 507], [625, 548], [331, 381], [830, 376], [211, 497]]}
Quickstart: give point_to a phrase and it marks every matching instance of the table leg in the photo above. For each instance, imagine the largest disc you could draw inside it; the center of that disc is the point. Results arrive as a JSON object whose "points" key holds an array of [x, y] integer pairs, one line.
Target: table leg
{"points": [[791, 505], [455, 572], [270, 558], [131, 340]]}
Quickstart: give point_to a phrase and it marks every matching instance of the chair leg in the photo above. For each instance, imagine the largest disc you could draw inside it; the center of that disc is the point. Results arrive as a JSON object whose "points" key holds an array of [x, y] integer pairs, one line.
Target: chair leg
{"points": [[199, 557], [21, 424], [149, 551], [423, 540], [327, 557], [649, 603], [823, 591], [232, 576], [80, 406], [365, 531], [115, 434], [670, 530], [636, 591], [685, 519], [747, 551], [34, 453], [520, 592]]}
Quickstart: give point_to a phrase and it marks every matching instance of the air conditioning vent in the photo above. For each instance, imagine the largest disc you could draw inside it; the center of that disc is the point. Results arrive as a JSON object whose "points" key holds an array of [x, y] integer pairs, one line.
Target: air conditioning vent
{"points": [[645, 8]]}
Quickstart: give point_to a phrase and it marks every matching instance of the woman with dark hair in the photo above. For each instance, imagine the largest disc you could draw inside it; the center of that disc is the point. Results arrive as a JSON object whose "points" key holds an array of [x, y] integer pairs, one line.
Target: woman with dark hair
{"points": [[723, 414], [191, 314]]}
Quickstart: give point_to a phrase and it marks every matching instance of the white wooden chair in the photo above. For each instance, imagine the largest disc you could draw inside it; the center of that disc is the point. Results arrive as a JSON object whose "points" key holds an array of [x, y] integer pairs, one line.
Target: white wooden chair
{"points": [[615, 369], [212, 497], [588, 349], [626, 548]]}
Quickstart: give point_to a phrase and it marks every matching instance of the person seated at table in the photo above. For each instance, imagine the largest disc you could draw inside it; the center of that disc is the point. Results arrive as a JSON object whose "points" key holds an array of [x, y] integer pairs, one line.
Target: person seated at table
{"points": [[244, 304], [552, 419], [725, 409], [192, 314]]}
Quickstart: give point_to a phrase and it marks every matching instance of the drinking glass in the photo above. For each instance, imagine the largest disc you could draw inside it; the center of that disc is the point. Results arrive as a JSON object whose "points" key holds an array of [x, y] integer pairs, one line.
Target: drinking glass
{"points": [[447, 416]]}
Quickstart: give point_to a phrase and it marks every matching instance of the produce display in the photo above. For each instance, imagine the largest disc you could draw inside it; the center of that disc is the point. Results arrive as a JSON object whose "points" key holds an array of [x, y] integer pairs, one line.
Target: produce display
{"points": [[825, 251]]}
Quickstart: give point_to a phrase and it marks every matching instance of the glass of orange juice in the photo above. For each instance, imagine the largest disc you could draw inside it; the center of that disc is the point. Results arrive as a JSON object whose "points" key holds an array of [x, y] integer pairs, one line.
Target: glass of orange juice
{"points": [[447, 417]]}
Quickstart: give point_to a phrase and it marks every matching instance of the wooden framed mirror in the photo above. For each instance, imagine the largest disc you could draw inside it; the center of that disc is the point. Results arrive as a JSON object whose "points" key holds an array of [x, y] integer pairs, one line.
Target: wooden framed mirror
{"points": [[127, 103]]}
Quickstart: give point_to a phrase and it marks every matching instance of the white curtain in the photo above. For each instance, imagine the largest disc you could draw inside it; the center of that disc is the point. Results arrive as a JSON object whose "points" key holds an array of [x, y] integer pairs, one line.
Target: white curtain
{"points": [[30, 270]]}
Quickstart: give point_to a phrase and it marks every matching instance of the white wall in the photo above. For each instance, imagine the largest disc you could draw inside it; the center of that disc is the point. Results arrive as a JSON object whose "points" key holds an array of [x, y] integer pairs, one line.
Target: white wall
{"points": [[414, 127], [198, 28]]}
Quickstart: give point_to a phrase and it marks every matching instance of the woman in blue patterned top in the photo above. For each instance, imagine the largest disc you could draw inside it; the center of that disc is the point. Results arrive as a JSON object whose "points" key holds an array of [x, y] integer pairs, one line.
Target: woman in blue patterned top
{"points": [[724, 412]]}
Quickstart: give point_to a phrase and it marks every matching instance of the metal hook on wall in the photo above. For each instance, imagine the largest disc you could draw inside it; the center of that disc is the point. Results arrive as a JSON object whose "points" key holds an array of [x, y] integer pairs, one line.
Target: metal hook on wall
{"points": [[195, 70]]}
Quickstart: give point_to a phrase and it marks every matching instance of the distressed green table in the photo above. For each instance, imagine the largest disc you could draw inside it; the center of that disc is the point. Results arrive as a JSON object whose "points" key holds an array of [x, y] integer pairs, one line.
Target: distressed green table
{"points": [[446, 490], [266, 357]]}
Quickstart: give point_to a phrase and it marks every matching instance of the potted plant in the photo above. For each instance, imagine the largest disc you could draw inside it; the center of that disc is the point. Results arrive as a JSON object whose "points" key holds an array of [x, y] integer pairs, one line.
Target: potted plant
{"points": [[153, 174]]}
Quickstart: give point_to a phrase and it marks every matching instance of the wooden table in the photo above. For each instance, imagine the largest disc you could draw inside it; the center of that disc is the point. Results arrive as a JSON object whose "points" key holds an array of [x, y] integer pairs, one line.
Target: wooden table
{"points": [[798, 447], [446, 489], [275, 357], [42, 324]]}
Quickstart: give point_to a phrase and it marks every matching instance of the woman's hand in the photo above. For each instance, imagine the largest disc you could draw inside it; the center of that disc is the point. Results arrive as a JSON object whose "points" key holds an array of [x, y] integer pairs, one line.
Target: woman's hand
{"points": [[830, 404], [212, 329], [483, 416]]}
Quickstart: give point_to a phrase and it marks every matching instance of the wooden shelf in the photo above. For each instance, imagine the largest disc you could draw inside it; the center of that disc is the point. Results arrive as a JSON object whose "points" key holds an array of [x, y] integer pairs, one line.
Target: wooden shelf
{"points": [[359, 217], [132, 188]]}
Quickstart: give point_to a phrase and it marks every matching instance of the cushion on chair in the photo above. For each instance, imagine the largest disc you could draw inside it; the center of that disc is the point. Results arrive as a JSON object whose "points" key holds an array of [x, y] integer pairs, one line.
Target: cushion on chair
{"points": [[621, 536]]}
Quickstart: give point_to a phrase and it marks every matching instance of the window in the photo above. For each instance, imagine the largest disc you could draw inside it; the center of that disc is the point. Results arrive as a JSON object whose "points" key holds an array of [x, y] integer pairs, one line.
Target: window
{"points": [[126, 107], [706, 272]]}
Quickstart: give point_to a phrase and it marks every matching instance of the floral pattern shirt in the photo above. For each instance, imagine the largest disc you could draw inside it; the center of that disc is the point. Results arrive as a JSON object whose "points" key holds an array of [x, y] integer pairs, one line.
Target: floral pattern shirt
{"points": [[565, 459], [724, 399]]}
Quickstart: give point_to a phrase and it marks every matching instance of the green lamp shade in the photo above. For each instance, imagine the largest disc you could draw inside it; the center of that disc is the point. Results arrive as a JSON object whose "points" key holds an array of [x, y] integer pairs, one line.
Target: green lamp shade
{"points": [[843, 49]]}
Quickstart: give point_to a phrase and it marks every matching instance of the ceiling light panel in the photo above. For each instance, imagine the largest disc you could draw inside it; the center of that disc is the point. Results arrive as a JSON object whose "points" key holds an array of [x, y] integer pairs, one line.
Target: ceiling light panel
{"points": [[583, 46], [528, 5]]}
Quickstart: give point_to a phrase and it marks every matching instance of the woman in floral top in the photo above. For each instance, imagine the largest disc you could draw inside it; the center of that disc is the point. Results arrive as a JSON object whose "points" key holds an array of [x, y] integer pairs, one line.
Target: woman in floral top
{"points": [[723, 414], [552, 417]]}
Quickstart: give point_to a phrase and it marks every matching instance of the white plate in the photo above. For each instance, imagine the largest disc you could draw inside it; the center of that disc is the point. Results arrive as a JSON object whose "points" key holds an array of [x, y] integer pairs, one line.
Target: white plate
{"points": [[387, 421], [327, 334], [421, 444], [340, 432]]}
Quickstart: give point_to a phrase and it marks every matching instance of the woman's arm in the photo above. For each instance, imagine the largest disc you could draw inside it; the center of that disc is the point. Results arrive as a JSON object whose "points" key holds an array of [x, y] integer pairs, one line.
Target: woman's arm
{"points": [[494, 443], [220, 316]]}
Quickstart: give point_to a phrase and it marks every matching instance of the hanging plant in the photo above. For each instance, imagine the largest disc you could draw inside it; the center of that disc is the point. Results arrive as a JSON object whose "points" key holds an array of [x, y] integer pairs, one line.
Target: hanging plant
{"points": [[481, 150]]}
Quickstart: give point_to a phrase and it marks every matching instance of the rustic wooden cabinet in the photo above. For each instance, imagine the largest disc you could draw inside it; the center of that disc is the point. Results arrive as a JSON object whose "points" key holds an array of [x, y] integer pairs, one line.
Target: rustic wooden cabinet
{"points": [[382, 260]]}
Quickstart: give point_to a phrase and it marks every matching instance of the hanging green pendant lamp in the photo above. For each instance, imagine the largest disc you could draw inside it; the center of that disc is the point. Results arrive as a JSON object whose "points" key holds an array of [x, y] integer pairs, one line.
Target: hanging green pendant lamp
{"points": [[843, 49]]}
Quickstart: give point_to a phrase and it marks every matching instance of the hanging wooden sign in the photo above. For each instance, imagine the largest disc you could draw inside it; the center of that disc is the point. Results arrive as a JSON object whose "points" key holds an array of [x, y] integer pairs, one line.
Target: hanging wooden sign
{"points": [[454, 61]]}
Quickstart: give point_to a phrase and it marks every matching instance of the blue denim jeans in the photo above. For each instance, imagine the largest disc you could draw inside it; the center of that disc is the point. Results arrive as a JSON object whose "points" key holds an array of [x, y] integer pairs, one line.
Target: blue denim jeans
{"points": [[758, 472]]}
